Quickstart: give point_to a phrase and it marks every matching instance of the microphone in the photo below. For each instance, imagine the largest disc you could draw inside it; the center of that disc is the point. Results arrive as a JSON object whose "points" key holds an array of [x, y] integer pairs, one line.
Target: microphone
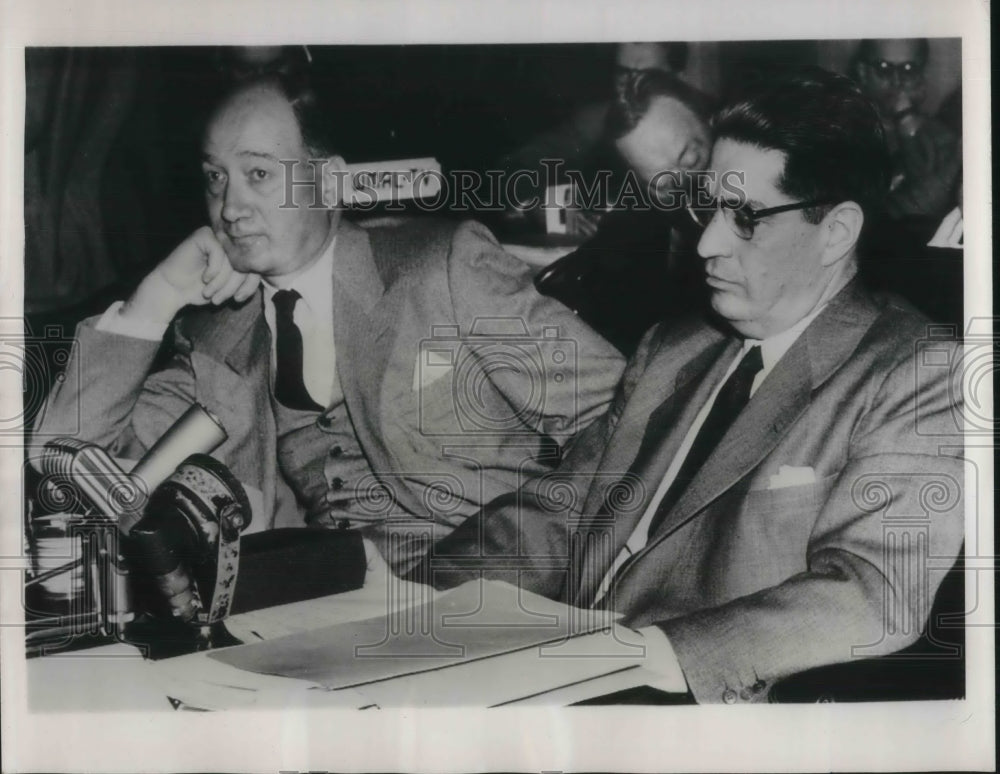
{"points": [[198, 431], [121, 497], [98, 480]]}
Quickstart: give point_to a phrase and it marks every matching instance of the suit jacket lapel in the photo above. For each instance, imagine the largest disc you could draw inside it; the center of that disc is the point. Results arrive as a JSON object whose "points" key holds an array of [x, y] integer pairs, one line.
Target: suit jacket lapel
{"points": [[662, 430], [778, 402], [362, 324]]}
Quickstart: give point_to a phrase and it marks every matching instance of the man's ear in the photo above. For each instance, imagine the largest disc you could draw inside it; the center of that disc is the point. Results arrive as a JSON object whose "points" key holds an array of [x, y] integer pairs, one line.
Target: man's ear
{"points": [[842, 227], [336, 182]]}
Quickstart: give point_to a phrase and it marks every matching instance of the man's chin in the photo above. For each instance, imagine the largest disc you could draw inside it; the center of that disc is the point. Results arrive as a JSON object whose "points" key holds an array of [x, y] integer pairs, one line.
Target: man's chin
{"points": [[731, 310], [247, 258]]}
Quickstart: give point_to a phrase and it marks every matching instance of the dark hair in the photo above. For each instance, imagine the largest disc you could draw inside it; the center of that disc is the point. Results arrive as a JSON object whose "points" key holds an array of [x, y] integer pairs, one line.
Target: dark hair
{"points": [[829, 131], [640, 87], [865, 49], [313, 118]]}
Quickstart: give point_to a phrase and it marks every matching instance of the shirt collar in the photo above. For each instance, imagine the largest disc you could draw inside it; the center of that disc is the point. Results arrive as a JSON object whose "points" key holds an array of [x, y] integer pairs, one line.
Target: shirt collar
{"points": [[773, 348], [314, 285]]}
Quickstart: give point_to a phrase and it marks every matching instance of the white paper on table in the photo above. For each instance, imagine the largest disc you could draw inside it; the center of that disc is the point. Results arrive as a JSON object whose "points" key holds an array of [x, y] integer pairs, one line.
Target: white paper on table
{"points": [[529, 673], [476, 620]]}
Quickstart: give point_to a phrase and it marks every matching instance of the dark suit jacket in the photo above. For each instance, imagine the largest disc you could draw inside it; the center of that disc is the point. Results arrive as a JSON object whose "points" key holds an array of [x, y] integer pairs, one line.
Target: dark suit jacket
{"points": [[397, 293], [816, 532], [640, 268]]}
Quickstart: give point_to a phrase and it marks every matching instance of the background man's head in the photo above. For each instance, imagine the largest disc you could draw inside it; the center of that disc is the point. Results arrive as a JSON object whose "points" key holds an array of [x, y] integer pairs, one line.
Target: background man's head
{"points": [[650, 55], [891, 72], [257, 125], [659, 124], [630, 58], [811, 136]]}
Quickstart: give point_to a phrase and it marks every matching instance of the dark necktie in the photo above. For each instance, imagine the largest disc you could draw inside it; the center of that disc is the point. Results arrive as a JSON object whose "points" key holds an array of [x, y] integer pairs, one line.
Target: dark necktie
{"points": [[734, 395], [289, 388]]}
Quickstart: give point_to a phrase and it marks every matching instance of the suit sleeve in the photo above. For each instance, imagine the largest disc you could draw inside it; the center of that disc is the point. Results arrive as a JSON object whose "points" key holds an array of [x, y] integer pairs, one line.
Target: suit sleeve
{"points": [[526, 537], [890, 528], [566, 375], [108, 396]]}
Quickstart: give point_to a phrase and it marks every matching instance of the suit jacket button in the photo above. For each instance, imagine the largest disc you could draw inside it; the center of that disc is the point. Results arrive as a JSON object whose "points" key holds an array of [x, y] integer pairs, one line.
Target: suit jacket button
{"points": [[745, 694], [758, 686], [336, 483], [729, 696]]}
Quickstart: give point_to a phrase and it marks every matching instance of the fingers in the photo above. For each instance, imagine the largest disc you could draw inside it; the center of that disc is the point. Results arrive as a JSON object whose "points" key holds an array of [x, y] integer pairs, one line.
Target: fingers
{"points": [[230, 284], [217, 266], [247, 288], [221, 281]]}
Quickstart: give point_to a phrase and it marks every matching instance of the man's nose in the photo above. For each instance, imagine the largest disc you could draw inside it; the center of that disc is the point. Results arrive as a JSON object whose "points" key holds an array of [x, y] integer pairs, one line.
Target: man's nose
{"points": [[234, 203], [717, 237]]}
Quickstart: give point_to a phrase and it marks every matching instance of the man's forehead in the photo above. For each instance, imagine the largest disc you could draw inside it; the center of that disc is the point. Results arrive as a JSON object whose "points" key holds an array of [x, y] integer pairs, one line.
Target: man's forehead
{"points": [[897, 51], [256, 122], [757, 169]]}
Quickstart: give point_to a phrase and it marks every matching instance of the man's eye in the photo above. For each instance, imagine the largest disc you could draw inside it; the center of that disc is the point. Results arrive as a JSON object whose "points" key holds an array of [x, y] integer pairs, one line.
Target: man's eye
{"points": [[259, 175], [743, 218], [214, 179]]}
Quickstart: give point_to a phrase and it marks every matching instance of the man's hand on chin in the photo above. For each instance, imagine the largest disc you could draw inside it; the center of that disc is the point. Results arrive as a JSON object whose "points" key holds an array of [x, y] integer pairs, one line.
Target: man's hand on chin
{"points": [[196, 273]]}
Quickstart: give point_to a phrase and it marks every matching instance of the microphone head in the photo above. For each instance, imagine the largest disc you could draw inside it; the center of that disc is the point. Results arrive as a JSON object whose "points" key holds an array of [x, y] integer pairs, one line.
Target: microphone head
{"points": [[198, 431], [97, 479]]}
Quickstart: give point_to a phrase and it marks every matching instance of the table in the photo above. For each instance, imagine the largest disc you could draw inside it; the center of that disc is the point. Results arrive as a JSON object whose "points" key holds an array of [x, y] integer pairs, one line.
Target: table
{"points": [[116, 677]]}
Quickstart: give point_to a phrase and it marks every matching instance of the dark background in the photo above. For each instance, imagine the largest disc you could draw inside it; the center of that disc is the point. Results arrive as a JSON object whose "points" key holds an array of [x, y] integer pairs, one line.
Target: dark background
{"points": [[112, 180]]}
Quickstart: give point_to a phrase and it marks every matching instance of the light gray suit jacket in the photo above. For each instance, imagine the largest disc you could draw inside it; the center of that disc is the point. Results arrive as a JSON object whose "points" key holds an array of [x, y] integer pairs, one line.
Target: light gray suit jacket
{"points": [[753, 580], [390, 304]]}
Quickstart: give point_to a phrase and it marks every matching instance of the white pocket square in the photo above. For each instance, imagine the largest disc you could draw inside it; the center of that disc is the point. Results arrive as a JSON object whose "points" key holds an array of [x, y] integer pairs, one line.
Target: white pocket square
{"points": [[432, 365], [788, 475]]}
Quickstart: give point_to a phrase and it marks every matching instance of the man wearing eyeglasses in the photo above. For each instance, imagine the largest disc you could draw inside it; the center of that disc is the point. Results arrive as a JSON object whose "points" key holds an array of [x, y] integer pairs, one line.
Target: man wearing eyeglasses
{"points": [[757, 501], [926, 154]]}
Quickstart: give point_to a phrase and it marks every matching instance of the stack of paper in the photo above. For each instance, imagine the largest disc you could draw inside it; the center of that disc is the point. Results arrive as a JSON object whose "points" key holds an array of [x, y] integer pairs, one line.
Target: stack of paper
{"points": [[483, 643]]}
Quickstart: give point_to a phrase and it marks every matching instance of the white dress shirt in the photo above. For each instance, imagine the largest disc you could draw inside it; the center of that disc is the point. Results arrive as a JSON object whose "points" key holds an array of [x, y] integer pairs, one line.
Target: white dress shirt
{"points": [[314, 318]]}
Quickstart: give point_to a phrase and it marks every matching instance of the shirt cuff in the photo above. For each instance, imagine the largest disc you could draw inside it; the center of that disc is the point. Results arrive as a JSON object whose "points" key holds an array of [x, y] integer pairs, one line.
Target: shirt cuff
{"points": [[661, 660], [113, 322]]}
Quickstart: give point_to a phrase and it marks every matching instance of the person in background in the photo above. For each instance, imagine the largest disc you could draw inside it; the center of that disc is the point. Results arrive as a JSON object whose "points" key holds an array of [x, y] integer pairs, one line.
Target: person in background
{"points": [[903, 252], [365, 377], [926, 154], [756, 502], [579, 142], [639, 267]]}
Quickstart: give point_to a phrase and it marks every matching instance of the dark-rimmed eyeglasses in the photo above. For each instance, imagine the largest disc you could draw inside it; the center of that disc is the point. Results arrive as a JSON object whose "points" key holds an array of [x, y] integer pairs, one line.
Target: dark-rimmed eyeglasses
{"points": [[742, 219]]}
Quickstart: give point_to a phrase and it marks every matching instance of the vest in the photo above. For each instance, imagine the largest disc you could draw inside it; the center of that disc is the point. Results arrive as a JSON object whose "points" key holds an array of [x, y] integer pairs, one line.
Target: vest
{"points": [[320, 457]]}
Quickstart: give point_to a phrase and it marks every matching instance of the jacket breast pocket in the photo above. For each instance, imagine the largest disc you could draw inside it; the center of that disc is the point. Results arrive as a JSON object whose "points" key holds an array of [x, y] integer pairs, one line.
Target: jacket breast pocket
{"points": [[789, 499], [777, 523]]}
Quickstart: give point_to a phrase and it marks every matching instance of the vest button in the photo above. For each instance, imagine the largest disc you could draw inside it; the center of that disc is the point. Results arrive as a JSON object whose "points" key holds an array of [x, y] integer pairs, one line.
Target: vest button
{"points": [[325, 421], [344, 524], [336, 483], [336, 451]]}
